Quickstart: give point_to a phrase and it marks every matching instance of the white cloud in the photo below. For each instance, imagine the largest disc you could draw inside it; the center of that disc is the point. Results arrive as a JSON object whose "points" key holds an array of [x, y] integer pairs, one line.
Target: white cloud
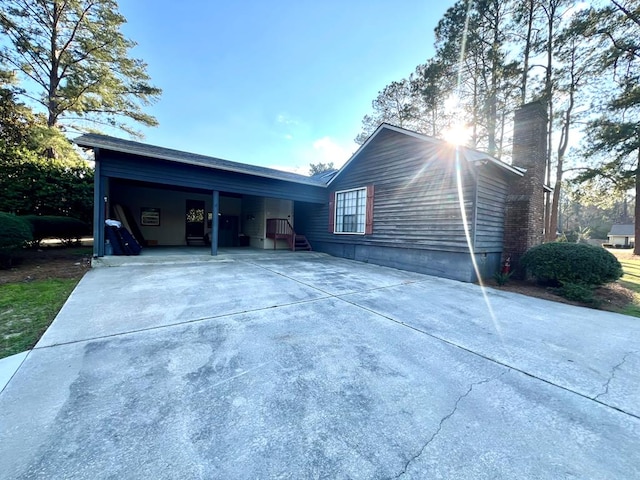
{"points": [[286, 119], [322, 150], [328, 150], [304, 170], [288, 137]]}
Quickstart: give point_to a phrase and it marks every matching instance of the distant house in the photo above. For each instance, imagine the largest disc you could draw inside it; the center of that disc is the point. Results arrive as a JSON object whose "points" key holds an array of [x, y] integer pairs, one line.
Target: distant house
{"points": [[404, 200], [623, 235]]}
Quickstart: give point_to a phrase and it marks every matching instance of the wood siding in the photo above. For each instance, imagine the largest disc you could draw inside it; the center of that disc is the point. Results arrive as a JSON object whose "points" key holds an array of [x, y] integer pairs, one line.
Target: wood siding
{"points": [[491, 199], [416, 197], [132, 167]]}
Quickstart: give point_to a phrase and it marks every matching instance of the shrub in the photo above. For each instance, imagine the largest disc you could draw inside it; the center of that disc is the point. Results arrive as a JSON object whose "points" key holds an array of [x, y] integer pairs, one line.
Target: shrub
{"points": [[558, 264], [570, 236], [577, 292], [49, 226], [14, 233], [502, 278]]}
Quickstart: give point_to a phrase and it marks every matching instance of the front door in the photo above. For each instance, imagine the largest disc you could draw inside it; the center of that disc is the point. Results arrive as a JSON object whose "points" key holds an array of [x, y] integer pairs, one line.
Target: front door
{"points": [[195, 221], [228, 231]]}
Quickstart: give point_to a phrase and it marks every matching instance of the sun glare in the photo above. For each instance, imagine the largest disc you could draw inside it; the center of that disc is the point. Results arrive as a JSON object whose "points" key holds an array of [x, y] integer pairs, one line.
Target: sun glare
{"points": [[457, 134]]}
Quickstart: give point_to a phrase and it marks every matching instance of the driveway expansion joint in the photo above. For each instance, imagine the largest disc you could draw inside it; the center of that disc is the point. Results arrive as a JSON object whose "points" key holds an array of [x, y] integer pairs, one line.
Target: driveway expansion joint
{"points": [[335, 295], [443, 420], [176, 324], [613, 374], [499, 362]]}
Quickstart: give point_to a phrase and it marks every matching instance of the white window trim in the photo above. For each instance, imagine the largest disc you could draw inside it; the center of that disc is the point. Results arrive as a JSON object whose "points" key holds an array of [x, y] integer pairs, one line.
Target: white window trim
{"points": [[335, 211]]}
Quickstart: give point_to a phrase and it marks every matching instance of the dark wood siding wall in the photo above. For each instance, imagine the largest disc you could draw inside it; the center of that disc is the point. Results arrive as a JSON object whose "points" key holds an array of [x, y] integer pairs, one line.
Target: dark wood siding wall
{"points": [[416, 197], [133, 167], [490, 209]]}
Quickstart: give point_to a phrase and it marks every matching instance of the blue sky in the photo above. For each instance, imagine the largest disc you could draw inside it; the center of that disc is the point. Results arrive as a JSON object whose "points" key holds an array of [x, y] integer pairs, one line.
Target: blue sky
{"points": [[274, 83]]}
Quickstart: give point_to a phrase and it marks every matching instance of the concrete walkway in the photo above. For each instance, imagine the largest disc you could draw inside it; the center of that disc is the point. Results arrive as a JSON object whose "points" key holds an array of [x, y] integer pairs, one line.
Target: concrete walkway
{"points": [[309, 366]]}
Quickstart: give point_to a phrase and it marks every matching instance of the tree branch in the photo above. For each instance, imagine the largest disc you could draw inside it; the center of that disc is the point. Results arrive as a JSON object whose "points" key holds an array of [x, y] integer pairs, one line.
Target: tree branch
{"points": [[72, 36], [630, 15]]}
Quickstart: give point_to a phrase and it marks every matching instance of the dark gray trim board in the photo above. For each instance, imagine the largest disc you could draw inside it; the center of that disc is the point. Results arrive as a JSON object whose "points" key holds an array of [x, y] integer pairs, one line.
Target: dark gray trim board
{"points": [[138, 149], [130, 167]]}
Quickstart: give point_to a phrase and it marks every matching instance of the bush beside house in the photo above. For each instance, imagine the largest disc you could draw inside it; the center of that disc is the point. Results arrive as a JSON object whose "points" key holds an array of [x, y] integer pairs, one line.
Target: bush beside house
{"points": [[67, 229], [574, 269], [14, 233]]}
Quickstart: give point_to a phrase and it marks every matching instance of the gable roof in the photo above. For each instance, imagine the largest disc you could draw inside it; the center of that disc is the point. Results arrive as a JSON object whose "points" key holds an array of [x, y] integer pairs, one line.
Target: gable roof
{"points": [[105, 142], [622, 229], [472, 156]]}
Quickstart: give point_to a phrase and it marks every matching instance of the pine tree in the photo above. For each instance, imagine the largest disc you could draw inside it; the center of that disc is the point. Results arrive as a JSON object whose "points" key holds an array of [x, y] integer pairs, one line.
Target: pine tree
{"points": [[614, 137], [75, 55]]}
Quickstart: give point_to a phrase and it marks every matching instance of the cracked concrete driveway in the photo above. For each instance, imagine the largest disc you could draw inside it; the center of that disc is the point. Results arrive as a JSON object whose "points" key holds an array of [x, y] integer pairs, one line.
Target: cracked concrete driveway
{"points": [[308, 366]]}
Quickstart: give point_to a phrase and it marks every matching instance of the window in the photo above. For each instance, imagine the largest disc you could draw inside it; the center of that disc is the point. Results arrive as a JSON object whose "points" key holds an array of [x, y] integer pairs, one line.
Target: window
{"points": [[351, 211]]}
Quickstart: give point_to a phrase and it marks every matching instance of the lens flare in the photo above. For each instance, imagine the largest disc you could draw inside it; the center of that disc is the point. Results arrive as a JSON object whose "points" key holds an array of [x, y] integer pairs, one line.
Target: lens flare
{"points": [[456, 136]]}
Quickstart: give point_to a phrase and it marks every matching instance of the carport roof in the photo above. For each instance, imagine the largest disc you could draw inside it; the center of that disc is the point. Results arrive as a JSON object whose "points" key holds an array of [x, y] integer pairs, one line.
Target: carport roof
{"points": [[105, 142]]}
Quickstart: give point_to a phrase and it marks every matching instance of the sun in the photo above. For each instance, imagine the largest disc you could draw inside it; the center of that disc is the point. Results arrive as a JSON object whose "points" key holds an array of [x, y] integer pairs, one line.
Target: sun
{"points": [[457, 134]]}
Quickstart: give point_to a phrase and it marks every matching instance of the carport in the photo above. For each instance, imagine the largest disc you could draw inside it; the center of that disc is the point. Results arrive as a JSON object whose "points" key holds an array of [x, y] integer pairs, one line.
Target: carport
{"points": [[165, 194]]}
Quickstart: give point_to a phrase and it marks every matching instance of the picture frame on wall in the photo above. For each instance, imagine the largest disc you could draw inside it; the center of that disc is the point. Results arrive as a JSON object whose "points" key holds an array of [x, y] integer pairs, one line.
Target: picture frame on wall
{"points": [[150, 217]]}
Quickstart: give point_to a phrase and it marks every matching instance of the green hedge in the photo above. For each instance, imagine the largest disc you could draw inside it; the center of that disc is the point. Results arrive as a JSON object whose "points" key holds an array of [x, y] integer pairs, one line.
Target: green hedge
{"points": [[558, 264], [50, 226], [14, 233]]}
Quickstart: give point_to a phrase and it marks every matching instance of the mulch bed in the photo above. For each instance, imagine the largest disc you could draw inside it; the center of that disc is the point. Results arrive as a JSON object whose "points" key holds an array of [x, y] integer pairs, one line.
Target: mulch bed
{"points": [[611, 297], [47, 263]]}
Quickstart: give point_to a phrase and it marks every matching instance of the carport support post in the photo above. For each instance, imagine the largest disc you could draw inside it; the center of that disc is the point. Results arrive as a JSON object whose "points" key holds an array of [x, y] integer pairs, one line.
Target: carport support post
{"points": [[99, 204], [214, 222]]}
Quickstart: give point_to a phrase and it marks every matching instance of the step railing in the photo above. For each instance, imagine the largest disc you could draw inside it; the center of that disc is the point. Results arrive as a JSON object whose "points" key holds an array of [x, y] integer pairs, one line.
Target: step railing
{"points": [[280, 228]]}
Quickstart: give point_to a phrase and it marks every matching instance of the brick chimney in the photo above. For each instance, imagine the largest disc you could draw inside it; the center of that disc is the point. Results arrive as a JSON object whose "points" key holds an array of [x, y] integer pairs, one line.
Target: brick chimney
{"points": [[524, 215]]}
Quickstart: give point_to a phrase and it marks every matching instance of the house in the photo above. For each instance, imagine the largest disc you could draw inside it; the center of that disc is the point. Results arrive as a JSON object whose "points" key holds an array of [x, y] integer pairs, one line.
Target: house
{"points": [[622, 235], [404, 200], [410, 201]]}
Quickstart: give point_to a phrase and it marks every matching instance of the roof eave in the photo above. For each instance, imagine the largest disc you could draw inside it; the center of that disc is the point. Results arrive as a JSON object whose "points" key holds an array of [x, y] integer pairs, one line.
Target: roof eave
{"points": [[425, 138], [133, 151]]}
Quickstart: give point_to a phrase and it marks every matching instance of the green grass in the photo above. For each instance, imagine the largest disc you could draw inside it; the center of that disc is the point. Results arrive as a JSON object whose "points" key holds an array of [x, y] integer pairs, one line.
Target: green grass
{"points": [[27, 309], [630, 279]]}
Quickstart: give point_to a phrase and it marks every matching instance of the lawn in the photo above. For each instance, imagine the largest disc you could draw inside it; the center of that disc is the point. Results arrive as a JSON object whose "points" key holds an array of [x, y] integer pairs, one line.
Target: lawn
{"points": [[630, 279], [32, 293], [27, 309]]}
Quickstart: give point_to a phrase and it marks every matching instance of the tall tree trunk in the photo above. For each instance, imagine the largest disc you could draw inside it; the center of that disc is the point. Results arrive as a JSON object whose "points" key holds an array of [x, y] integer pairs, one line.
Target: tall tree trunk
{"points": [[562, 146], [548, 92], [52, 105], [527, 52], [636, 246], [492, 121], [557, 188]]}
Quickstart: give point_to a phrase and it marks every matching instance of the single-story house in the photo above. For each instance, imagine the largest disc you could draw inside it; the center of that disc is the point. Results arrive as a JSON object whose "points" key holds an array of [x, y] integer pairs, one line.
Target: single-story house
{"points": [[404, 200], [623, 235]]}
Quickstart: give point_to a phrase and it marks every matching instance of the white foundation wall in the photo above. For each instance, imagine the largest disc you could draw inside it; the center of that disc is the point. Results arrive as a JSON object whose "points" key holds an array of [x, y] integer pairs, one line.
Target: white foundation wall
{"points": [[253, 220]]}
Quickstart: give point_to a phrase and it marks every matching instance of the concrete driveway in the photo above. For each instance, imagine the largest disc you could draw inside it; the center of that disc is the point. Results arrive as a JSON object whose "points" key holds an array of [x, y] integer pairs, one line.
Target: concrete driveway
{"points": [[308, 366]]}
